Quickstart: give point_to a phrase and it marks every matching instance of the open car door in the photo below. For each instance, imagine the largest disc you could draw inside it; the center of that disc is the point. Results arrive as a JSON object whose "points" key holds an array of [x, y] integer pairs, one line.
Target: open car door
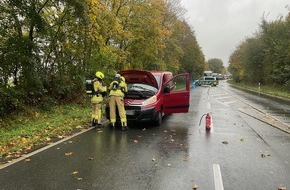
{"points": [[176, 94]]}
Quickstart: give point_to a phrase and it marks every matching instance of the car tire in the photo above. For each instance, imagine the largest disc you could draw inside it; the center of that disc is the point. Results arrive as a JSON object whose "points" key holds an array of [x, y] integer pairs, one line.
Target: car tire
{"points": [[158, 120]]}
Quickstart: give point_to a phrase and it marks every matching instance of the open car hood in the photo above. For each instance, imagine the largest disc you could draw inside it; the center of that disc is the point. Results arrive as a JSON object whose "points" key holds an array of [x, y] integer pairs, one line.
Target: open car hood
{"points": [[139, 76]]}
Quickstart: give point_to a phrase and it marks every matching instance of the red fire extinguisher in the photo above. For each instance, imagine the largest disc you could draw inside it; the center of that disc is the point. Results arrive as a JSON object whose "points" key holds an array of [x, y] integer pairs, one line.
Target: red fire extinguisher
{"points": [[208, 122]]}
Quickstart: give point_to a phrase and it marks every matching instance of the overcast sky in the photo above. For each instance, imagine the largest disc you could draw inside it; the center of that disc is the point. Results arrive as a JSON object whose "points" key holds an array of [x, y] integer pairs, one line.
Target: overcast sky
{"points": [[221, 25]]}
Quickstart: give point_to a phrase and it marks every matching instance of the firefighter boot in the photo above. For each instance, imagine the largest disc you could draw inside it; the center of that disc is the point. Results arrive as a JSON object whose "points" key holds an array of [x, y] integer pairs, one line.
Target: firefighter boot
{"points": [[124, 126], [113, 125], [94, 122], [99, 125]]}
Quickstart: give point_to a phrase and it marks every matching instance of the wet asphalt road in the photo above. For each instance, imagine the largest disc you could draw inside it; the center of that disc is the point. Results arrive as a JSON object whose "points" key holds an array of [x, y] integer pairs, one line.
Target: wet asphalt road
{"points": [[240, 152]]}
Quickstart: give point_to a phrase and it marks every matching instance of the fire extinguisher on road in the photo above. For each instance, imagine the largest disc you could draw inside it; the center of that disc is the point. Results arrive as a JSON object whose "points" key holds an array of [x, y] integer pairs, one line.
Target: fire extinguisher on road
{"points": [[208, 121]]}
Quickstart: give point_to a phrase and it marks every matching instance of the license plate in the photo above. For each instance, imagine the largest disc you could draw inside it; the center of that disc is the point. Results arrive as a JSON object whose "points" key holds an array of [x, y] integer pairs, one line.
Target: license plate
{"points": [[130, 112]]}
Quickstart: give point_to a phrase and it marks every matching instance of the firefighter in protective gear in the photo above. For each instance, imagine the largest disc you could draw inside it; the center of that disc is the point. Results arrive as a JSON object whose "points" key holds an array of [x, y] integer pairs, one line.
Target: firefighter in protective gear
{"points": [[118, 88], [99, 90]]}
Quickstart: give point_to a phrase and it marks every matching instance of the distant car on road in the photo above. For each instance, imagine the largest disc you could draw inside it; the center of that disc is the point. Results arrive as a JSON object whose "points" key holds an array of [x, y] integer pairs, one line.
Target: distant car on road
{"points": [[207, 80]]}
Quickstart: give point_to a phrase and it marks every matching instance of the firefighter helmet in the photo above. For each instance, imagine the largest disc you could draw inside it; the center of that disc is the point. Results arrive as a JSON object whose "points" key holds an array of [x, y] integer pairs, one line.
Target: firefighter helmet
{"points": [[100, 75], [122, 78]]}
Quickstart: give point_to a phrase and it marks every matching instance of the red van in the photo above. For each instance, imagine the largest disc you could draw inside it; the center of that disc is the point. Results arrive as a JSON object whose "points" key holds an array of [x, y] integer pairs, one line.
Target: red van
{"points": [[152, 94]]}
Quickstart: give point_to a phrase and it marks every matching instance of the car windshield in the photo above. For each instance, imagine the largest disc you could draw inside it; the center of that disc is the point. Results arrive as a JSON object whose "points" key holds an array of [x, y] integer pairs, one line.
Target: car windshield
{"points": [[157, 77], [140, 91]]}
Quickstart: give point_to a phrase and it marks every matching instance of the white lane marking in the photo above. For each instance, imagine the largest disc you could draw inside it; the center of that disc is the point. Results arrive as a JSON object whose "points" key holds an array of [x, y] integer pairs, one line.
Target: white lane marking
{"points": [[218, 182], [231, 102], [208, 106]]}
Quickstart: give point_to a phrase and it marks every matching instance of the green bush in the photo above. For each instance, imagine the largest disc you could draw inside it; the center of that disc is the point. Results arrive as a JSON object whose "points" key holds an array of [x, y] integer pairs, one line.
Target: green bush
{"points": [[11, 100]]}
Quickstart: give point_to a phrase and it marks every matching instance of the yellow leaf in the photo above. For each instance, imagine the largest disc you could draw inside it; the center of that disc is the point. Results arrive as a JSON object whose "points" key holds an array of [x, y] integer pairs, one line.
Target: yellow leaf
{"points": [[23, 139], [75, 172], [68, 153], [36, 114], [194, 186], [185, 159]]}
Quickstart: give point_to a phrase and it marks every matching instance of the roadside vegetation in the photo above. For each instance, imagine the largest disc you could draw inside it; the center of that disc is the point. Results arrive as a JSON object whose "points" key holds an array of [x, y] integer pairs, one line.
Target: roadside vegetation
{"points": [[33, 128], [264, 58], [274, 91], [49, 48]]}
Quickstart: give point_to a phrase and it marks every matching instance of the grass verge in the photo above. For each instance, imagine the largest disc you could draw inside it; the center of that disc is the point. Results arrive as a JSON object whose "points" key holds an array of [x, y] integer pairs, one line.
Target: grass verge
{"points": [[272, 91], [25, 132]]}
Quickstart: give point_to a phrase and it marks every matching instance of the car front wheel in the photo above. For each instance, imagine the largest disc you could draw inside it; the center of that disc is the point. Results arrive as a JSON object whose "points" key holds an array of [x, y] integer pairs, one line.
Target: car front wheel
{"points": [[158, 120]]}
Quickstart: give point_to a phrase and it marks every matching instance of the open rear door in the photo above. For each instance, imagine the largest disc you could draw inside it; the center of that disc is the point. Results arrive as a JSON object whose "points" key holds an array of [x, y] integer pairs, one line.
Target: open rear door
{"points": [[177, 99]]}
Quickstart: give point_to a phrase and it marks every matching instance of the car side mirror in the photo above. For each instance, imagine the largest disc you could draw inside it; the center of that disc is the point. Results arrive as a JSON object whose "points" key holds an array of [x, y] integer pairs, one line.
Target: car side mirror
{"points": [[166, 89]]}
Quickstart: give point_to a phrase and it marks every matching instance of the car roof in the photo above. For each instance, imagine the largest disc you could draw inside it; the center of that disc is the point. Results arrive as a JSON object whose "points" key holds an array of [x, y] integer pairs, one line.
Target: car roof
{"points": [[139, 76]]}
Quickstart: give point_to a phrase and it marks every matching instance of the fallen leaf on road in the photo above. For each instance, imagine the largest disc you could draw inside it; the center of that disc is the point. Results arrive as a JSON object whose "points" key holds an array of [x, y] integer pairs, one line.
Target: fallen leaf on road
{"points": [[79, 178], [263, 155], [281, 188], [153, 159], [185, 159], [68, 153], [225, 142], [27, 160], [75, 172], [90, 158], [194, 186], [144, 129], [135, 141]]}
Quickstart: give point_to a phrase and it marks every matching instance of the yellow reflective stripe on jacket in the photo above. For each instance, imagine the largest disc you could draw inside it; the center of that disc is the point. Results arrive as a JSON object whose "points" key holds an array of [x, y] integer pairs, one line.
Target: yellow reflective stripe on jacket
{"points": [[96, 99]]}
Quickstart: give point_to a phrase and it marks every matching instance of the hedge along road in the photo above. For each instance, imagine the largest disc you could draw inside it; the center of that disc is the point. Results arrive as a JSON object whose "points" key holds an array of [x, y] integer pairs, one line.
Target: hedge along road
{"points": [[180, 154]]}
